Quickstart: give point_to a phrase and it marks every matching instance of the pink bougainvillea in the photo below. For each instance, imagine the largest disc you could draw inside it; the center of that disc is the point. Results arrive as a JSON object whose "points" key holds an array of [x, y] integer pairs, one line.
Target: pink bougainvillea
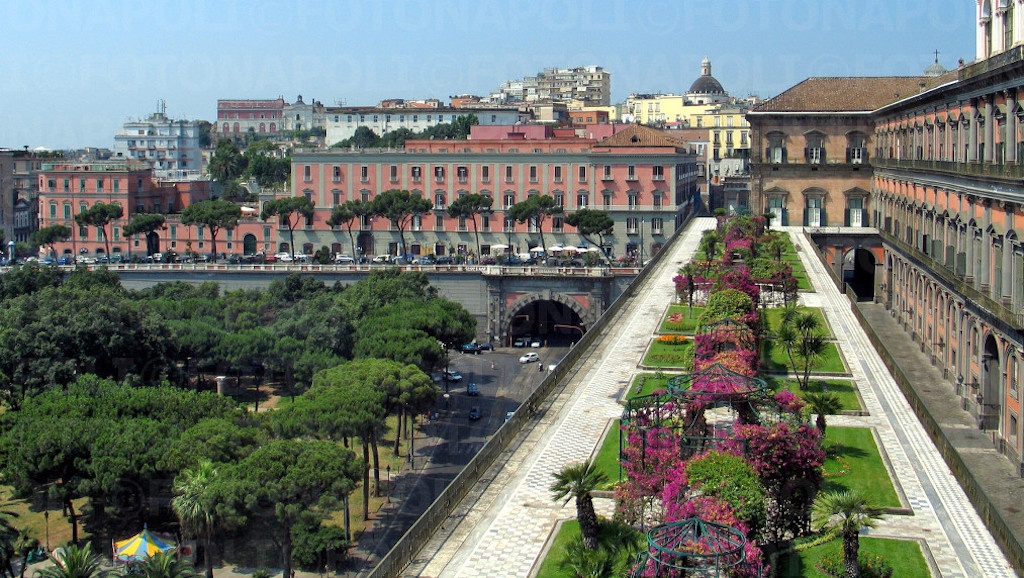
{"points": [[789, 402]]}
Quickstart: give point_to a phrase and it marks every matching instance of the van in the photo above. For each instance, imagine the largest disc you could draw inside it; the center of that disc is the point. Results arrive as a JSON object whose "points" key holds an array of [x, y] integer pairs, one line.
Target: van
{"points": [[382, 259]]}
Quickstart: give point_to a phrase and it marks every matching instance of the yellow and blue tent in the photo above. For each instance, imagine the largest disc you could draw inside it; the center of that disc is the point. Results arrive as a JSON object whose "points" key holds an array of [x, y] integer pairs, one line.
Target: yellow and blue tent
{"points": [[142, 546]]}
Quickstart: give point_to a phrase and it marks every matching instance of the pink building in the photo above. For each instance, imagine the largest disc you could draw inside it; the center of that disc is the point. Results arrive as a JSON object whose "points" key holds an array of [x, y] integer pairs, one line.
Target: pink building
{"points": [[644, 178], [239, 117]]}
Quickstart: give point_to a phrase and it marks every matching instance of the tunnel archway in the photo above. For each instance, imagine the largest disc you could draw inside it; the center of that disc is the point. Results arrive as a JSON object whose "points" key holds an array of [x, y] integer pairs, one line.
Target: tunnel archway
{"points": [[990, 397], [556, 319], [859, 273]]}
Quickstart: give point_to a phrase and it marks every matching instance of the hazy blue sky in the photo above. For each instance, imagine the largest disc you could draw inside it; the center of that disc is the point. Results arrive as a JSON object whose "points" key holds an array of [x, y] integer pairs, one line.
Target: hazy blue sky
{"points": [[72, 71]]}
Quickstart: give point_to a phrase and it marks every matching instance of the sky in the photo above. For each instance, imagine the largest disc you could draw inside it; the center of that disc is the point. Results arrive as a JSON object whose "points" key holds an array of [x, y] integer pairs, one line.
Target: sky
{"points": [[72, 71]]}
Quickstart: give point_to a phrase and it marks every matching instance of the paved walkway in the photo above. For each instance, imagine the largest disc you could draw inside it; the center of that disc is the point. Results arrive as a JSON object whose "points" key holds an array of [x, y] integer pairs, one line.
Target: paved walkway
{"points": [[501, 530]]}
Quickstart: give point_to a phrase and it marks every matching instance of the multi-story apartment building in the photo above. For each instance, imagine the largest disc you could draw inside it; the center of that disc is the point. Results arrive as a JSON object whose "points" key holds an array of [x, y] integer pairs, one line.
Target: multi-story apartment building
{"points": [[944, 188], [69, 188], [645, 179], [591, 84], [27, 165], [161, 142], [342, 122]]}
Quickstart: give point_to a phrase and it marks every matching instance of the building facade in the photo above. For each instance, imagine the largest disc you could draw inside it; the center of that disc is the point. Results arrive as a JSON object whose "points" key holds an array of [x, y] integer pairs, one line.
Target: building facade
{"points": [[644, 179], [590, 84], [161, 142], [341, 123], [236, 118]]}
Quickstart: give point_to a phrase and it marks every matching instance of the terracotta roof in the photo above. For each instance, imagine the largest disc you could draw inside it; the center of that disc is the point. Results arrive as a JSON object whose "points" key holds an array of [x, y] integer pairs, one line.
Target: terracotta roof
{"points": [[847, 94], [639, 135]]}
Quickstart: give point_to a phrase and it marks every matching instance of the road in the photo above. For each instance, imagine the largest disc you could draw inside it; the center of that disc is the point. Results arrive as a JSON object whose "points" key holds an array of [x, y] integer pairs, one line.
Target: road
{"points": [[446, 444]]}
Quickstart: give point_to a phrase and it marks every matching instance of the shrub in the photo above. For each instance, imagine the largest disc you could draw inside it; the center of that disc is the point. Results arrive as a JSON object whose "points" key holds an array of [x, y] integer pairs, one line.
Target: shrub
{"points": [[673, 339], [871, 566]]}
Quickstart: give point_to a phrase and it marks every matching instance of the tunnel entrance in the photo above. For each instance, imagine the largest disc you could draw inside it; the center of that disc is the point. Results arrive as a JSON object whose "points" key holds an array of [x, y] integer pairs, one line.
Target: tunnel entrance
{"points": [[552, 322], [859, 273]]}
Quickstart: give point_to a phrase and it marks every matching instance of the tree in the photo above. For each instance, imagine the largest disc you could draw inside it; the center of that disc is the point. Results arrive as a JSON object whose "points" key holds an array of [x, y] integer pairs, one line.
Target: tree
{"points": [[11, 540], [535, 209], [822, 404], [195, 504], [288, 479], [214, 214], [399, 206], [289, 209], [800, 337], [468, 207], [47, 236], [362, 138], [76, 562], [268, 171], [227, 162], [349, 213], [579, 481], [143, 224], [709, 244], [100, 215], [846, 514], [166, 565], [591, 222]]}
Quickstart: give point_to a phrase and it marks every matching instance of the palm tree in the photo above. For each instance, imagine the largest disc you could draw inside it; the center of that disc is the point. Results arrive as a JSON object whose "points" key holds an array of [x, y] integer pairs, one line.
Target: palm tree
{"points": [[195, 505], [709, 243], [579, 481], [166, 565], [9, 538], [845, 514], [74, 563], [800, 338], [822, 404]]}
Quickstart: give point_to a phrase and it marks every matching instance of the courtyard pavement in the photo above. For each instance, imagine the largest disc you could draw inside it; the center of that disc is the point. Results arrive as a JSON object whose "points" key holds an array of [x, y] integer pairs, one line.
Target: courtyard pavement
{"points": [[502, 528]]}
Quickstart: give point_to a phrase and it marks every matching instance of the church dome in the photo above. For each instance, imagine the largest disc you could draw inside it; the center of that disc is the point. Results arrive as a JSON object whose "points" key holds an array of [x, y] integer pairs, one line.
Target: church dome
{"points": [[705, 83]]}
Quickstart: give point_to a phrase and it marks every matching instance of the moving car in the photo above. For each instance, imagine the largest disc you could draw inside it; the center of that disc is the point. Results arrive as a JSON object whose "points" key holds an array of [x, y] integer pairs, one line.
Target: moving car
{"points": [[529, 357], [469, 347], [340, 259], [484, 347], [382, 259], [509, 415], [474, 413], [472, 389], [453, 375]]}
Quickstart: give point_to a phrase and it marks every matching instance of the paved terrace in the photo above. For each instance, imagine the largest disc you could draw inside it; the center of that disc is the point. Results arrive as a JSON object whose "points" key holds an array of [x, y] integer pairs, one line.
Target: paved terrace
{"points": [[503, 526]]}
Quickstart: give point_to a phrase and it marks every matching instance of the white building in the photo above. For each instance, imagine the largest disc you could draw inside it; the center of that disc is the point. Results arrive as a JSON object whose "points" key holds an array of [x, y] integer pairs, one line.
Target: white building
{"points": [[162, 143], [341, 123]]}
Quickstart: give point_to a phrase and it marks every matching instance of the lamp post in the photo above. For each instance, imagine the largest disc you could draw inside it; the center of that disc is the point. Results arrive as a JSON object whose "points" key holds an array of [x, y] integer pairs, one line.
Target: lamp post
{"points": [[389, 483], [642, 221], [46, 521], [10, 252]]}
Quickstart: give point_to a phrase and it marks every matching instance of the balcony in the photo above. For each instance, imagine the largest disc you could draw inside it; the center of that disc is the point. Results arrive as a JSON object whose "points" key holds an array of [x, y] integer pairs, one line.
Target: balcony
{"points": [[958, 284], [607, 177], [989, 170]]}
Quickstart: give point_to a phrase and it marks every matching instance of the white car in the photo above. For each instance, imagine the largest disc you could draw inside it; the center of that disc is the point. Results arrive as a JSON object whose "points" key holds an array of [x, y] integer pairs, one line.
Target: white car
{"points": [[343, 259], [529, 358], [536, 343], [284, 257]]}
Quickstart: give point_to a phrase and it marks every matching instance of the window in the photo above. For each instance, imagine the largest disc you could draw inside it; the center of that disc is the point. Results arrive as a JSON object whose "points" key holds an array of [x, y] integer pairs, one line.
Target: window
{"points": [[337, 174], [510, 199], [607, 175], [657, 226], [559, 197], [53, 209], [558, 174], [416, 224], [776, 151], [557, 224], [417, 174], [533, 173], [364, 173], [99, 185], [606, 199], [307, 173], [855, 212], [462, 173], [583, 174], [508, 174], [658, 173], [814, 214], [439, 200], [632, 225], [510, 224], [815, 151], [336, 197], [656, 198], [81, 185], [485, 174], [856, 153], [67, 209], [439, 174], [67, 184], [582, 200], [633, 199], [631, 173], [394, 173], [174, 231]]}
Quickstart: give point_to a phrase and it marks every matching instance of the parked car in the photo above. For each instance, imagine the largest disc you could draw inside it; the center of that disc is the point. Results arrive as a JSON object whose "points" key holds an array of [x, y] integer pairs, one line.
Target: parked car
{"points": [[484, 347], [474, 413], [423, 260], [443, 261], [536, 342], [529, 357], [284, 257], [472, 389], [469, 347], [522, 341], [453, 375], [66, 260], [340, 259]]}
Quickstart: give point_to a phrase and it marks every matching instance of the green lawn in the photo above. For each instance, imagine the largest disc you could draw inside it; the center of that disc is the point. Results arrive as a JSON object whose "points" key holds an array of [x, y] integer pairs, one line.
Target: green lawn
{"points": [[551, 566], [802, 282], [845, 389], [854, 463], [774, 317], [607, 458], [904, 556], [670, 355], [647, 383], [830, 362], [688, 324]]}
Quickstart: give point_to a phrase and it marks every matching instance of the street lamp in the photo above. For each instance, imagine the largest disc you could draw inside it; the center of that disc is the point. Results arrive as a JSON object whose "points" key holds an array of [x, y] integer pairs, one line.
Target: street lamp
{"points": [[10, 252], [46, 520], [389, 483]]}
